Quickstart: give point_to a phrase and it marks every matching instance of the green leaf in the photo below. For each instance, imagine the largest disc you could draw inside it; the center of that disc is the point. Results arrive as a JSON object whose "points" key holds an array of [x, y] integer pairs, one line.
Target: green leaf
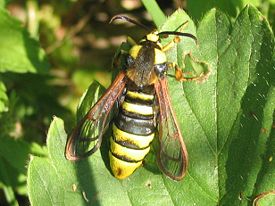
{"points": [[226, 124], [13, 159], [56, 180], [198, 8], [19, 53], [5, 183], [222, 119], [15, 152]]}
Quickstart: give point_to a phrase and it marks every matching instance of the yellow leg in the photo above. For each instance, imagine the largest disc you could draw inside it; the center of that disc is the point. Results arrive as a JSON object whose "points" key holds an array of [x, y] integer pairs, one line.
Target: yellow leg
{"points": [[171, 44], [180, 75], [176, 38]]}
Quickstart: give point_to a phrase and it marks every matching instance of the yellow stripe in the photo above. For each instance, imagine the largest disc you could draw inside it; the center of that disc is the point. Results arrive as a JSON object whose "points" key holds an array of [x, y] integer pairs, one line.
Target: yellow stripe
{"points": [[139, 95], [160, 57], [138, 109], [122, 169], [131, 154], [138, 140], [134, 51], [152, 37]]}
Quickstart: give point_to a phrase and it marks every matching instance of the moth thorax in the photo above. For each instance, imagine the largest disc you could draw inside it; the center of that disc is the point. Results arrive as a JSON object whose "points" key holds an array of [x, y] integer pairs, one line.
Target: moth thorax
{"points": [[152, 37]]}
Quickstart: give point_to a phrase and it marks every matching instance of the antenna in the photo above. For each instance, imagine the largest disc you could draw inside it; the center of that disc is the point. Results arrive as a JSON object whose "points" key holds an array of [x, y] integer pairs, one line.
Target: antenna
{"points": [[128, 19], [178, 34]]}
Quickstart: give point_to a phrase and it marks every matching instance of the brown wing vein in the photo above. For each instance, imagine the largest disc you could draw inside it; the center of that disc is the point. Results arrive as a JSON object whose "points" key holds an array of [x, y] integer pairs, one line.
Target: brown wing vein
{"points": [[91, 128], [172, 156]]}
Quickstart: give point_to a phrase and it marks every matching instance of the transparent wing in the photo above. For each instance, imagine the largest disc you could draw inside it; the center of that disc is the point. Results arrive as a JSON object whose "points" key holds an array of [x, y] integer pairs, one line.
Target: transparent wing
{"points": [[87, 136], [172, 156]]}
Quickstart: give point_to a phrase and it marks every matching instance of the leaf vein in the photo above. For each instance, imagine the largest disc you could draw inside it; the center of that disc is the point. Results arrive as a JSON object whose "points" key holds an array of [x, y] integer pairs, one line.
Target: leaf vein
{"points": [[202, 189], [206, 136]]}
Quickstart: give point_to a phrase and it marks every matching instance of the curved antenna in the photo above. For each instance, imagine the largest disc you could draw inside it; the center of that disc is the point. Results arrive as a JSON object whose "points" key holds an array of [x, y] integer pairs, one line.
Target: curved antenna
{"points": [[128, 19], [178, 34]]}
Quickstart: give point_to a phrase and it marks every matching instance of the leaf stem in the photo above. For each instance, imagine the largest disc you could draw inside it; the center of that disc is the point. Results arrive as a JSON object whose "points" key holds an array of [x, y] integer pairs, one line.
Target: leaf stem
{"points": [[154, 10]]}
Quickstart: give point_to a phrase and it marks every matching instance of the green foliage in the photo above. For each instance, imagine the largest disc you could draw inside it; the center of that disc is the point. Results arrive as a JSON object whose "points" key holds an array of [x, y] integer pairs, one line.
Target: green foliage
{"points": [[198, 8], [3, 3], [226, 122], [232, 8], [19, 53], [156, 13], [3, 98], [13, 159], [232, 108]]}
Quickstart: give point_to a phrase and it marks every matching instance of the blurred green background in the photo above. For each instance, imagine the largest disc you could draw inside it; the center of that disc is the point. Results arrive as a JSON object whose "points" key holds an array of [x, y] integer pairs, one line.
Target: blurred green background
{"points": [[79, 46]]}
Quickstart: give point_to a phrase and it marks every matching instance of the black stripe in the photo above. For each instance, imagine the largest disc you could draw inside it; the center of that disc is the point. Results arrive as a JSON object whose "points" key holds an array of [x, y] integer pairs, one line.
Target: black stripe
{"points": [[138, 101], [125, 143], [135, 125], [149, 89], [121, 157], [128, 144], [136, 115]]}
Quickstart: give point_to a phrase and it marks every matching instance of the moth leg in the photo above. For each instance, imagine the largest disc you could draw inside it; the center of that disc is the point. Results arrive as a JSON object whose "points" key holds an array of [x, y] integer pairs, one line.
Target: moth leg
{"points": [[176, 39], [184, 25], [171, 44], [180, 75]]}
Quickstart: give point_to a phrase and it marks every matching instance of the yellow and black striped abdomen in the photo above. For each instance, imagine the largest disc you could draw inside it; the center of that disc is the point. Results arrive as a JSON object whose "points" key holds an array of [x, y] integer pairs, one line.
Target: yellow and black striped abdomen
{"points": [[133, 131]]}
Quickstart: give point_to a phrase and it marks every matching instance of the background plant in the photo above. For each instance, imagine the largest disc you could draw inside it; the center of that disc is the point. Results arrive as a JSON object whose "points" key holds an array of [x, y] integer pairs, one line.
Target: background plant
{"points": [[78, 46]]}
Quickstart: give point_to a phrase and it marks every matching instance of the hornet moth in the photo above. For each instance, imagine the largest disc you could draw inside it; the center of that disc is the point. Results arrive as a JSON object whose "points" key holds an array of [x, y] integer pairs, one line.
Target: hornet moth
{"points": [[144, 111]]}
